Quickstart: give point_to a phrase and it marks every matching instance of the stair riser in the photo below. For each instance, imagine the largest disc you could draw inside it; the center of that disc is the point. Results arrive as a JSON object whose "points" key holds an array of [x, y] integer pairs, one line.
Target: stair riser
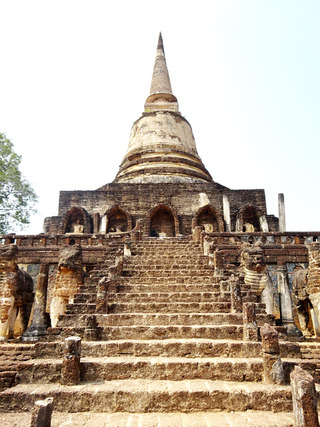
{"points": [[169, 266], [161, 308], [106, 333], [195, 297], [167, 274], [111, 371], [170, 308], [87, 289], [7, 379], [135, 287], [85, 298], [76, 399], [80, 309], [162, 319], [166, 281], [154, 332], [163, 348]]}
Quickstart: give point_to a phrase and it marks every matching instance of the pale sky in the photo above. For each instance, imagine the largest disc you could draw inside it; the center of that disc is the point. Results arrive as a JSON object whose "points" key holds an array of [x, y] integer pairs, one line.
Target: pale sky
{"points": [[74, 77]]}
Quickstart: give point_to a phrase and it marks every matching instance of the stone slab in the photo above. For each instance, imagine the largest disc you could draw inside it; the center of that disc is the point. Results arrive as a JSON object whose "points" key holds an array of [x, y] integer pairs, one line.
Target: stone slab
{"points": [[176, 419]]}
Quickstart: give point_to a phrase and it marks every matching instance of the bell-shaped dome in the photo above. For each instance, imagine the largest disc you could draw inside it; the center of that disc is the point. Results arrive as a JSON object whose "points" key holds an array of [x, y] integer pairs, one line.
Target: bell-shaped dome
{"points": [[162, 146]]}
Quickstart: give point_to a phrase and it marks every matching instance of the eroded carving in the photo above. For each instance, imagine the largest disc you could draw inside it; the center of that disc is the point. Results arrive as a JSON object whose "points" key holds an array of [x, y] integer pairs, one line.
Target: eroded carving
{"points": [[248, 228], [77, 227], [68, 281], [254, 269], [300, 299], [16, 297], [306, 291]]}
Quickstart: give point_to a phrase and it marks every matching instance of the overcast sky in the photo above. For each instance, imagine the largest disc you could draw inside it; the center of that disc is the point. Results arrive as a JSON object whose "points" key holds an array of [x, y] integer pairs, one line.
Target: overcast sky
{"points": [[74, 77]]}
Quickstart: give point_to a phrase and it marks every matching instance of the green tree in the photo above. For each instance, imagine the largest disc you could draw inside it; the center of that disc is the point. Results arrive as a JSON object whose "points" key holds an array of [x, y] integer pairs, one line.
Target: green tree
{"points": [[17, 198]]}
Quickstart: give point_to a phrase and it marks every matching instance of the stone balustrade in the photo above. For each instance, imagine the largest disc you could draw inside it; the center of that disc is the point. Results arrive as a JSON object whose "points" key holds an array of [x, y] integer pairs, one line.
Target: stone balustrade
{"points": [[263, 238], [49, 240], [37, 248]]}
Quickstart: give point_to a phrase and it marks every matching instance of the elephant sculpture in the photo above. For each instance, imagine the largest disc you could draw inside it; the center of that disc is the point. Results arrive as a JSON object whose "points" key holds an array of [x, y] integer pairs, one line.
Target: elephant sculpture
{"points": [[16, 294]]}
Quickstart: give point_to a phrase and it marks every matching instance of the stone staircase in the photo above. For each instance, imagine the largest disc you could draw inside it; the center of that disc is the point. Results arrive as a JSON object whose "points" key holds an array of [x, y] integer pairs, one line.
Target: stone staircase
{"points": [[11, 355], [170, 347]]}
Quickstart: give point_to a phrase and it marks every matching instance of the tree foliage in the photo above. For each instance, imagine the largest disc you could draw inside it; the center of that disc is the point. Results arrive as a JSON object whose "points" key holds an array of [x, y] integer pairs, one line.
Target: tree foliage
{"points": [[17, 198]]}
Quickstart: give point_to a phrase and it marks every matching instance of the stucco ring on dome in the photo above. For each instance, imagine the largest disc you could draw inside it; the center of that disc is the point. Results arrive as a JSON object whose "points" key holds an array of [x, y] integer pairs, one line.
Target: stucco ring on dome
{"points": [[154, 97]]}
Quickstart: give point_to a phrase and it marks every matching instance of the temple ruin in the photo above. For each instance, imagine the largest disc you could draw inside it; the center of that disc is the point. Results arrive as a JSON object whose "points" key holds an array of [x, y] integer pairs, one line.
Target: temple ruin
{"points": [[162, 298]]}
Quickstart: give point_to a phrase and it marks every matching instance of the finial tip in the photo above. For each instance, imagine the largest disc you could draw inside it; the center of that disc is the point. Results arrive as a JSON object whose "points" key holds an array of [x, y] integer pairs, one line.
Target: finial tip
{"points": [[160, 42]]}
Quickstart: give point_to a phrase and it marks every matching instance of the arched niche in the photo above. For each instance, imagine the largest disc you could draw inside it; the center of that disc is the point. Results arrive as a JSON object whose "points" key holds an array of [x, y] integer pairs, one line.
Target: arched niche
{"points": [[77, 216], [118, 220], [208, 218], [163, 222], [248, 219]]}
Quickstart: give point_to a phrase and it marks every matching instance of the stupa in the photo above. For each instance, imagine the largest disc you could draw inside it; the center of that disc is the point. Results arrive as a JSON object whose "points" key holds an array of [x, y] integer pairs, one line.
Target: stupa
{"points": [[162, 181], [162, 298]]}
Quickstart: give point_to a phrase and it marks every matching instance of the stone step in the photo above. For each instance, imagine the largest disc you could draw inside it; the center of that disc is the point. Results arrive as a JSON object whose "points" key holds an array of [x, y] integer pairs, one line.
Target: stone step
{"points": [[188, 348], [11, 355], [88, 289], [164, 319], [151, 396], [183, 249], [159, 368], [161, 243], [182, 268], [80, 308], [310, 350], [174, 307], [180, 273], [130, 286], [7, 377], [175, 264], [166, 254], [178, 253], [246, 418], [177, 297], [167, 249], [173, 279], [155, 368], [82, 298], [16, 350], [146, 332]]}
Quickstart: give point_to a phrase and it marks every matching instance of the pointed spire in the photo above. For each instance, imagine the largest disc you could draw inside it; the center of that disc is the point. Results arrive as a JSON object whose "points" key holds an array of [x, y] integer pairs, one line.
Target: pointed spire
{"points": [[161, 146], [160, 43], [161, 97], [160, 79]]}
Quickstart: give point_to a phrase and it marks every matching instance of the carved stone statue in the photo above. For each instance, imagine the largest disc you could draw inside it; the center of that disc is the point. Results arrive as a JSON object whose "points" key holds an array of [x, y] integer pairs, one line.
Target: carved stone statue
{"points": [[16, 297], [208, 228], [254, 269], [248, 228], [300, 298], [306, 287], [68, 281], [314, 274], [77, 227]]}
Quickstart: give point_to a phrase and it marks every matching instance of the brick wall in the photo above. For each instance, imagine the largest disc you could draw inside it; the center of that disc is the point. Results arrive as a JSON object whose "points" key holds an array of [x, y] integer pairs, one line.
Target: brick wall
{"points": [[185, 199]]}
